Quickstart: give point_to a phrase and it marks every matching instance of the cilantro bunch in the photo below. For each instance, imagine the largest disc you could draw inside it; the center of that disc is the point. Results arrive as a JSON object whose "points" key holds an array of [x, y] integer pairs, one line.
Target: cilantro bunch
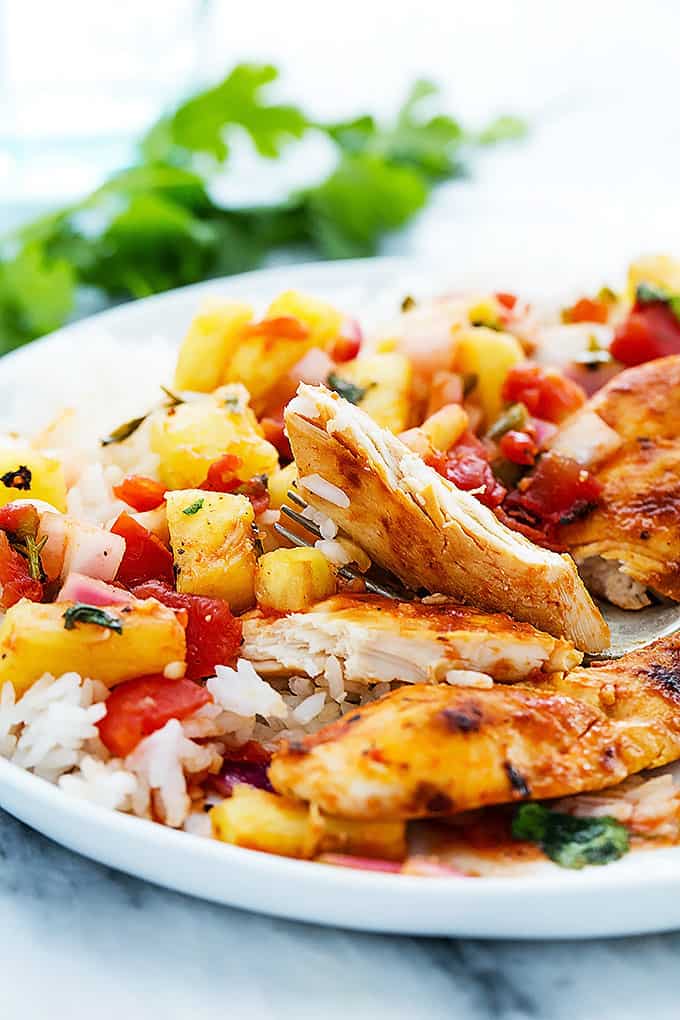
{"points": [[155, 225]]}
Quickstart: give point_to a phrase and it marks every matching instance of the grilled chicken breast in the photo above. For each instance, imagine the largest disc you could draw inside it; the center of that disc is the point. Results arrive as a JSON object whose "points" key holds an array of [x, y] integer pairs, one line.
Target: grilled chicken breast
{"points": [[631, 541], [375, 639], [426, 530], [434, 749]]}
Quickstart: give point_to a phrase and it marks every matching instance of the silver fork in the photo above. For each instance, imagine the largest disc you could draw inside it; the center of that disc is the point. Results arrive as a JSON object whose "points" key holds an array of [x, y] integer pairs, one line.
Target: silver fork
{"points": [[630, 629], [346, 572]]}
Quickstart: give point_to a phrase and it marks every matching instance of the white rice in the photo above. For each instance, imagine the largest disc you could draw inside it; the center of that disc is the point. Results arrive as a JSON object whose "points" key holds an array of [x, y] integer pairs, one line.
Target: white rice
{"points": [[325, 490]]}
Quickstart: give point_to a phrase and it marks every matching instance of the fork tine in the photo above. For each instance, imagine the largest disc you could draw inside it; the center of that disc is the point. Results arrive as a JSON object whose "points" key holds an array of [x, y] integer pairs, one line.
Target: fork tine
{"points": [[295, 498], [348, 573], [304, 522]]}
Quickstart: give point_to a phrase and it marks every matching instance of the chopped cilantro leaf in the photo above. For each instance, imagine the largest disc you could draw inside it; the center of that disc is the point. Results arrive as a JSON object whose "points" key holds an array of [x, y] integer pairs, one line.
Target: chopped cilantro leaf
{"points": [[344, 388], [82, 613], [569, 841], [193, 508]]}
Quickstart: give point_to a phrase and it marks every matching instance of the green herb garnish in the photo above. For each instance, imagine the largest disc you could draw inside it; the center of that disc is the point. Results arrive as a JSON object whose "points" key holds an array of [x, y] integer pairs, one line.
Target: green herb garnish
{"points": [[344, 388], [569, 841], [193, 508], [160, 224], [514, 417], [82, 613], [123, 431], [33, 550]]}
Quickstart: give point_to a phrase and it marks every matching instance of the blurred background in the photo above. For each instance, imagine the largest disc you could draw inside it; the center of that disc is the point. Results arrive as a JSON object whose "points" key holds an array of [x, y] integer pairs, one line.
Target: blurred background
{"points": [[593, 182]]}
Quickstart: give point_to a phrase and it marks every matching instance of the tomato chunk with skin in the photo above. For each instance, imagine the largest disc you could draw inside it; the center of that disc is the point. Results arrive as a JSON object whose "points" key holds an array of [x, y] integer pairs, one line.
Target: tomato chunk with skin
{"points": [[518, 447], [15, 577], [559, 492], [222, 477], [141, 493], [273, 429], [545, 392], [587, 310], [467, 465], [213, 634], [19, 520], [285, 327], [137, 708], [146, 558], [650, 331]]}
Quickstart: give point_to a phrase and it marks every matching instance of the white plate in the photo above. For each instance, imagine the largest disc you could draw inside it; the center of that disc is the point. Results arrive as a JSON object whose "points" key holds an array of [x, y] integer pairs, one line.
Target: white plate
{"points": [[640, 893]]}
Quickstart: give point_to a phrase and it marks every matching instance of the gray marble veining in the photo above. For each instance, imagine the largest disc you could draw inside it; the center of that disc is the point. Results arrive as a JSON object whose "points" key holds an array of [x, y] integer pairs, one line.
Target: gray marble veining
{"points": [[80, 940]]}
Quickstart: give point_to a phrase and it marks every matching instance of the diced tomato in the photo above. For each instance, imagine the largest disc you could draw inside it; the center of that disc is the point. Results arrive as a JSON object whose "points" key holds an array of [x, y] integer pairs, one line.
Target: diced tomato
{"points": [[137, 708], [213, 635], [507, 300], [141, 493], [558, 492], [145, 558], [284, 327], [650, 331], [257, 492], [273, 432], [15, 577], [222, 476], [19, 520], [518, 447], [467, 466], [545, 392], [345, 348], [587, 310]]}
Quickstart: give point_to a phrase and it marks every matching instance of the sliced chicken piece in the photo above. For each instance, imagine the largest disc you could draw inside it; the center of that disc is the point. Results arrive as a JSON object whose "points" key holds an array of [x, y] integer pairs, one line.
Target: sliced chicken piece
{"points": [[375, 639], [433, 749], [635, 529], [425, 530]]}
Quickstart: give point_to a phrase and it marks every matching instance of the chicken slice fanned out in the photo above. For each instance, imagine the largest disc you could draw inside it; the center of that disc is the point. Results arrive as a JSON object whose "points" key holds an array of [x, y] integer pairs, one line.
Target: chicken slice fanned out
{"points": [[424, 529], [375, 639], [433, 749], [631, 541]]}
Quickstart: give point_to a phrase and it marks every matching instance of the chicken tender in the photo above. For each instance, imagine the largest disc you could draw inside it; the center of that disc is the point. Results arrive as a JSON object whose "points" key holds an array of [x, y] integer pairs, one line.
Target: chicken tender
{"points": [[425, 530], [427, 750], [635, 529], [375, 639]]}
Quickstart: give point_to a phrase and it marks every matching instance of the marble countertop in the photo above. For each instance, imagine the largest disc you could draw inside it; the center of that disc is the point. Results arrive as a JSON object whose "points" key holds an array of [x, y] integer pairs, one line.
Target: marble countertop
{"points": [[79, 940]]}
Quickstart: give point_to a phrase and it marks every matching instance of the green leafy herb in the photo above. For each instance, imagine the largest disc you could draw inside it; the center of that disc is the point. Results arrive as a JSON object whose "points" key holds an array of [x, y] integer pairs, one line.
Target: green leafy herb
{"points": [[569, 841], [123, 431], [648, 294], [33, 550], [82, 613], [20, 478], [159, 223], [514, 417], [503, 129], [193, 508], [344, 388]]}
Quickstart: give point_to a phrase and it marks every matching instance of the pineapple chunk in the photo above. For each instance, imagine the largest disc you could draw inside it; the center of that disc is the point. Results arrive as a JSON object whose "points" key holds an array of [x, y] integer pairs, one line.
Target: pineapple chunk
{"points": [[657, 270], [24, 473], [444, 428], [387, 379], [279, 483], [34, 640], [485, 311], [488, 355], [213, 336], [261, 362], [190, 437], [291, 580], [213, 546], [277, 825]]}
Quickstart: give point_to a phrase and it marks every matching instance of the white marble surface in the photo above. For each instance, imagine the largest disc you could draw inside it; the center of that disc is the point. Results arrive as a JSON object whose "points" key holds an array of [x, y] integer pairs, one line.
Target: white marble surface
{"points": [[596, 183]]}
